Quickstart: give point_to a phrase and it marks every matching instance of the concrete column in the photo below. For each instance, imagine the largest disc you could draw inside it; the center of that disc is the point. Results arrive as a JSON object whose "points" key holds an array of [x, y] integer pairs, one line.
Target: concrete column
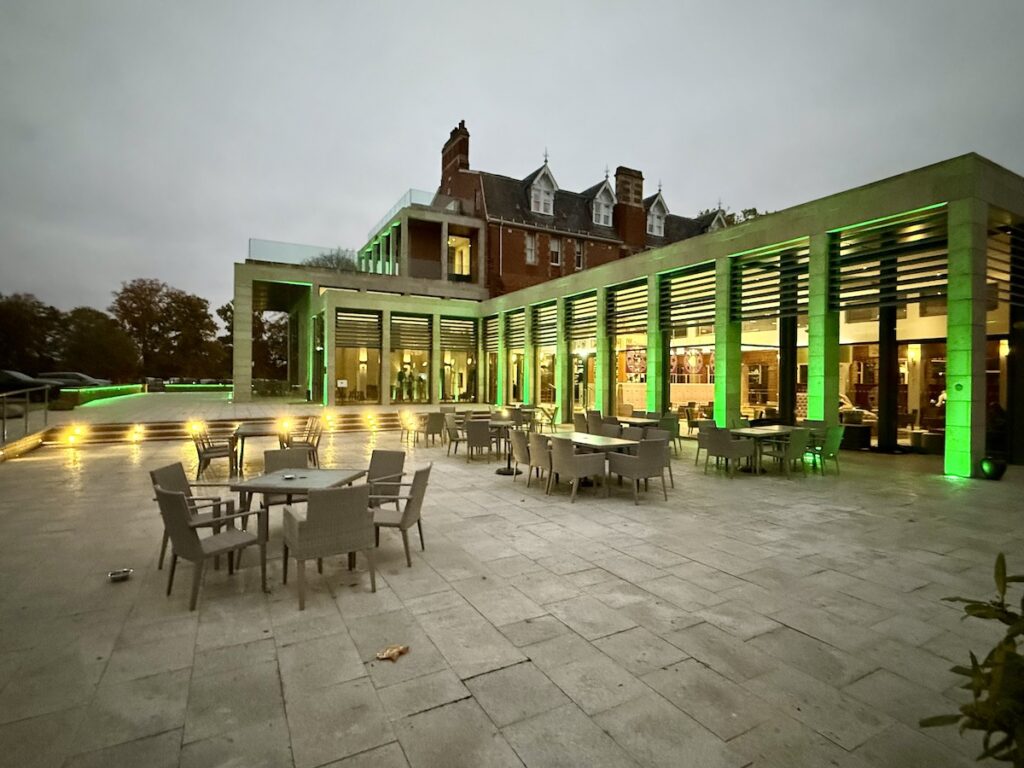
{"points": [[444, 250], [965, 337], [822, 339], [435, 359], [330, 353], [480, 357], [529, 359], [728, 348], [403, 246], [391, 250], [563, 386], [604, 364], [385, 357], [657, 342], [241, 332], [501, 396]]}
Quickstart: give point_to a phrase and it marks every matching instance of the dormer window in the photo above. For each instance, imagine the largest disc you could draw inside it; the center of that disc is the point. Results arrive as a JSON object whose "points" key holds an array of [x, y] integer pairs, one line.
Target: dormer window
{"points": [[656, 213], [542, 193], [604, 202]]}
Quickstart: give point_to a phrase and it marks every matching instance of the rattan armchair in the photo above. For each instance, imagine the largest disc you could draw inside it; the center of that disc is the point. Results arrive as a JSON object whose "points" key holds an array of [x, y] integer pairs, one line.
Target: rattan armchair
{"points": [[648, 462], [574, 467], [407, 512], [208, 449], [173, 478]]}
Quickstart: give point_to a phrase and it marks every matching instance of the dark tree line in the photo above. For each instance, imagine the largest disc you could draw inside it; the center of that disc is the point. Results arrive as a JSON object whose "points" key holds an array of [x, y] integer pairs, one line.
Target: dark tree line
{"points": [[151, 329]]}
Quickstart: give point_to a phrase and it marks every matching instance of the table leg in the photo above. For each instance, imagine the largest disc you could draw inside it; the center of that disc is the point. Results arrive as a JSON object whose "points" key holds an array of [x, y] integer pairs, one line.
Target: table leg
{"points": [[241, 454], [507, 469]]}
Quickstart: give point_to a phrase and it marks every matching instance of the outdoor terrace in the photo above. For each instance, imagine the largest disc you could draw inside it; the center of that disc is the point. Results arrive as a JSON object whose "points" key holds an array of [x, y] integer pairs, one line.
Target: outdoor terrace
{"points": [[751, 621]]}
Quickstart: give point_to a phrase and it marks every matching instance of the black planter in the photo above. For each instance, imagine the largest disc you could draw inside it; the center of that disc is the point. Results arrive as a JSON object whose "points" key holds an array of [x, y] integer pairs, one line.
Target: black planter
{"points": [[992, 468]]}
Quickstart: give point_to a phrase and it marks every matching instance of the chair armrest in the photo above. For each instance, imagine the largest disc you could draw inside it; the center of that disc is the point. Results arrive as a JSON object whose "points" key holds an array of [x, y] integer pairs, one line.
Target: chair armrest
{"points": [[387, 477], [395, 497], [229, 503]]}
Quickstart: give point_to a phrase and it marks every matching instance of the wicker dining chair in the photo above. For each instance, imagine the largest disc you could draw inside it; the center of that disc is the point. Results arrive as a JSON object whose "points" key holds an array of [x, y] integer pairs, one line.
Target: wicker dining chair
{"points": [[173, 478], [648, 462], [208, 449], [407, 512]]}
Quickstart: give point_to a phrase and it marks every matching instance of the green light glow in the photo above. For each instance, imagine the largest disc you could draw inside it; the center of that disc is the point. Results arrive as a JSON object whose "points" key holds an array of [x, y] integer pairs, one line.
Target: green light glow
{"points": [[199, 387], [882, 219], [123, 388], [105, 400], [292, 282], [770, 248]]}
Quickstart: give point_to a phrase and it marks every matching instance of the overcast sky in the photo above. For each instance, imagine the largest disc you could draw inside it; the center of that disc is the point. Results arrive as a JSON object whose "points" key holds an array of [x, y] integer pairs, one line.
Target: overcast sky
{"points": [[153, 139]]}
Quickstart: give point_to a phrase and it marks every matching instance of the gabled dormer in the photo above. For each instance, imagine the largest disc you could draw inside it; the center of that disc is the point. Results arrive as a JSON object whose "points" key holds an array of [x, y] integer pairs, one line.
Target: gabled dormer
{"points": [[719, 222], [657, 211], [602, 203], [542, 187]]}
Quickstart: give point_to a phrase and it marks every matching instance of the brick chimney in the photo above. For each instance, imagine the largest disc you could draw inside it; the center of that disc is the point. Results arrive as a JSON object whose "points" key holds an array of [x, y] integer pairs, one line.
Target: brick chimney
{"points": [[629, 216], [454, 154]]}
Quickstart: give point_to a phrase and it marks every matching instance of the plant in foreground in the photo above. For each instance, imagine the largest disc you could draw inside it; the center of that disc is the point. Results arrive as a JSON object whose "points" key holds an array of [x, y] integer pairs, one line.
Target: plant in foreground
{"points": [[997, 683]]}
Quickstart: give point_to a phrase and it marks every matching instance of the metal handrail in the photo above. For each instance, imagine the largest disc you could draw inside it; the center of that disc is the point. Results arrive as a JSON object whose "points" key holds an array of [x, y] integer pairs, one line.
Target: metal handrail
{"points": [[27, 392]]}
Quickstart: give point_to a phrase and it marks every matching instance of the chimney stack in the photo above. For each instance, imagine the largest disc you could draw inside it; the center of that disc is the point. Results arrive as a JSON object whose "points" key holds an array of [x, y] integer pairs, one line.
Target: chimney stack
{"points": [[629, 215], [455, 153]]}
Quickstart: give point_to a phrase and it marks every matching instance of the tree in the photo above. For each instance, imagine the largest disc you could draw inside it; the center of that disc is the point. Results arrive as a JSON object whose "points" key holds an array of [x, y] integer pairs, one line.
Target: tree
{"points": [[93, 342], [29, 334], [269, 341], [139, 307], [341, 259]]}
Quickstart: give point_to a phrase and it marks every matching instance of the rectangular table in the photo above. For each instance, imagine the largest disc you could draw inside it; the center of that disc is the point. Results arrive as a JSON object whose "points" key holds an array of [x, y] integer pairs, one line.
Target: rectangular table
{"points": [[253, 429], [759, 435], [598, 442], [638, 421], [303, 481]]}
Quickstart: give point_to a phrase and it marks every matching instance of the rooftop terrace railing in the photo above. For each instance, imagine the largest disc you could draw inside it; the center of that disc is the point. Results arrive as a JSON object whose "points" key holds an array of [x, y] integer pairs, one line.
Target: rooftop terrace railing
{"points": [[16, 406], [287, 253], [416, 197]]}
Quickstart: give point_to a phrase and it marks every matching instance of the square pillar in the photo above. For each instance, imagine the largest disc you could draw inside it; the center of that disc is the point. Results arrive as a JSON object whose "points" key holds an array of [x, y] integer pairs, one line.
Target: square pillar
{"points": [[330, 353], [822, 338], [563, 387], [241, 334], [444, 250], [965, 337], [529, 358], [657, 347], [384, 385], [501, 396], [604, 364], [728, 347], [403, 246], [435, 359]]}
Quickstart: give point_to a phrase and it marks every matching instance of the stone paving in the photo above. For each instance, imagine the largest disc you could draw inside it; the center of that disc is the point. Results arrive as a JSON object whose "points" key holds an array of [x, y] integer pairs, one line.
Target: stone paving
{"points": [[755, 621]]}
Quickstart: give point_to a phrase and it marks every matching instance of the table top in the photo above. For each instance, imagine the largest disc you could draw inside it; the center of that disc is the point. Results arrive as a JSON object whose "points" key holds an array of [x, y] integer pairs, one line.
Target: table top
{"points": [[501, 422], [638, 421], [594, 441], [771, 430], [304, 480], [256, 429]]}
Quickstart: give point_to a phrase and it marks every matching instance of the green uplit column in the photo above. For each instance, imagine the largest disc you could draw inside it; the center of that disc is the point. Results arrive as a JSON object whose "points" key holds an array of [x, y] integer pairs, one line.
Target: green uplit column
{"points": [[563, 388], [603, 363], [965, 337], [330, 353], [300, 315], [529, 358], [480, 357], [435, 358], [656, 348], [728, 349], [502, 396], [384, 383], [241, 331], [822, 338]]}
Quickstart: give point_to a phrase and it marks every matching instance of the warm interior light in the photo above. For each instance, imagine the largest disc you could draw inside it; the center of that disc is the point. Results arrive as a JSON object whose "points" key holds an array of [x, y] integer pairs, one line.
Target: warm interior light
{"points": [[1004, 348]]}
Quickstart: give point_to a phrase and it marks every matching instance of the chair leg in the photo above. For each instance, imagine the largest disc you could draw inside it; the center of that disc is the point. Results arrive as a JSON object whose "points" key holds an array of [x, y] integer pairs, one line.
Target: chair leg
{"points": [[664, 492], [575, 487], [163, 551], [370, 555], [284, 563], [197, 579], [515, 471], [376, 535], [670, 476], [238, 560], [231, 563], [351, 560], [419, 527], [405, 543], [170, 575], [300, 568], [263, 566], [320, 565]]}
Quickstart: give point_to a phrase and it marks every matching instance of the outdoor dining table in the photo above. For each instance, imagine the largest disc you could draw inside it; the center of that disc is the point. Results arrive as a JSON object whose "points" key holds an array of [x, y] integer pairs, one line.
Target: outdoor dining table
{"points": [[597, 442], [505, 425], [253, 429], [759, 435], [292, 482], [638, 421]]}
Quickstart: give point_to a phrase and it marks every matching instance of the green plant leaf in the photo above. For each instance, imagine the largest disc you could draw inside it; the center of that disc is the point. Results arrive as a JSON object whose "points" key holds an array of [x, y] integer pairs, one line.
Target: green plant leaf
{"points": [[937, 720], [1001, 574]]}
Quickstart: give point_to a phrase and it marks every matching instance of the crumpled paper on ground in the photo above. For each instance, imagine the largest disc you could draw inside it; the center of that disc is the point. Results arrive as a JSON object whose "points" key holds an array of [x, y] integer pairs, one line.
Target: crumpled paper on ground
{"points": [[392, 652]]}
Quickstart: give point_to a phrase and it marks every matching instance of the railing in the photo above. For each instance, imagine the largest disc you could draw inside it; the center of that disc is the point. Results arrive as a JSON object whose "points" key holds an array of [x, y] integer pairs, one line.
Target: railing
{"points": [[416, 197], [7, 399], [285, 253]]}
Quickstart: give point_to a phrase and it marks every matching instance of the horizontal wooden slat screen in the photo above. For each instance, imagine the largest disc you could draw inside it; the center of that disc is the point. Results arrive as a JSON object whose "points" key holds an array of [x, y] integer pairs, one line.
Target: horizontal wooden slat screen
{"points": [[357, 329], [771, 281], [627, 309], [688, 297], [410, 332], [545, 325], [458, 334], [581, 317], [1005, 267], [515, 329], [889, 262], [491, 333]]}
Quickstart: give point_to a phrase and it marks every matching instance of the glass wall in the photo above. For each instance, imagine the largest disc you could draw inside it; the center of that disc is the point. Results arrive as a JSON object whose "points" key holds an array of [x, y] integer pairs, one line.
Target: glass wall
{"points": [[411, 341], [545, 375], [516, 375], [357, 375], [631, 372], [491, 359], [458, 377], [584, 357]]}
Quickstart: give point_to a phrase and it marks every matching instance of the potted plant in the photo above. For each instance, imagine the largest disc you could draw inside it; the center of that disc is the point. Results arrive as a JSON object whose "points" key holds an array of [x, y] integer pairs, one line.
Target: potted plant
{"points": [[997, 682]]}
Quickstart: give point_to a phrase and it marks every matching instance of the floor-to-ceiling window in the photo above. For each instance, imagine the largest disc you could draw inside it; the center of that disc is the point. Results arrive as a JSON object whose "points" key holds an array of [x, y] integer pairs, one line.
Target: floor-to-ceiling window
{"points": [[410, 358], [357, 339], [491, 359], [627, 330], [581, 319], [515, 343], [545, 339], [687, 309], [458, 360]]}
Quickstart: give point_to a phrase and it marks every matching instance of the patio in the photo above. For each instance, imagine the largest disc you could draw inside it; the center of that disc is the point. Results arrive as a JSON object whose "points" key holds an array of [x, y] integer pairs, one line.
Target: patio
{"points": [[751, 621]]}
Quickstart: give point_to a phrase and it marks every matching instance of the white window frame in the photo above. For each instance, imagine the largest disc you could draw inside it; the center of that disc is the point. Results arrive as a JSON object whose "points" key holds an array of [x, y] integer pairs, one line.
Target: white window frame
{"points": [[542, 196], [531, 248], [555, 251], [580, 255], [655, 224], [602, 210]]}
